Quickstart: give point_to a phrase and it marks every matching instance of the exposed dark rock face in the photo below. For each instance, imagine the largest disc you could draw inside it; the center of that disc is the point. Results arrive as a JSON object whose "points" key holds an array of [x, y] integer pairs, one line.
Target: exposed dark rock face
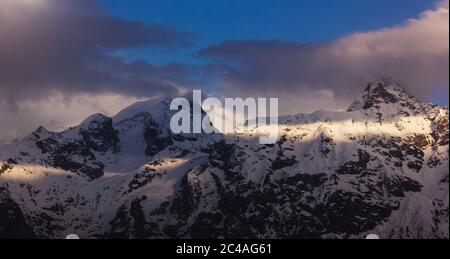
{"points": [[13, 224], [130, 223], [63, 158], [99, 135], [399, 152], [356, 167], [67, 156], [156, 138], [5, 167], [223, 156], [398, 186], [376, 95], [440, 128]]}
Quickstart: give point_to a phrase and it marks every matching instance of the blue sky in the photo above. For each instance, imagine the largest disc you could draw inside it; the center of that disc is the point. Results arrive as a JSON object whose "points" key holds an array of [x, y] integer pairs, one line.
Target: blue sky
{"points": [[302, 21]]}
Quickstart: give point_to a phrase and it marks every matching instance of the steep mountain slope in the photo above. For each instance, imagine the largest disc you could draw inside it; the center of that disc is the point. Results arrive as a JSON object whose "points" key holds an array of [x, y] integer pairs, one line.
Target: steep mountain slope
{"points": [[380, 167]]}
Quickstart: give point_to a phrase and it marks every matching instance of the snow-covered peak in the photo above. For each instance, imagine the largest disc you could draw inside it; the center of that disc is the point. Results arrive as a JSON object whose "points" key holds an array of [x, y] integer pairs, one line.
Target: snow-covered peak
{"points": [[158, 108], [38, 134], [379, 93], [94, 122], [387, 99], [41, 132]]}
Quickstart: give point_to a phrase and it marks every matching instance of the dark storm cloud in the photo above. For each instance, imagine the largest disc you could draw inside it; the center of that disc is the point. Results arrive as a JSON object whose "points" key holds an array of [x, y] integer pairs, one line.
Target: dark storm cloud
{"points": [[258, 64], [414, 54], [61, 45]]}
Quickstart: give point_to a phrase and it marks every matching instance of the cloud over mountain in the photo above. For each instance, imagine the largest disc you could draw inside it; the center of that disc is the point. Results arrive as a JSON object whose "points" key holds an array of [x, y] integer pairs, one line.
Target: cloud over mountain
{"points": [[62, 45], [414, 53]]}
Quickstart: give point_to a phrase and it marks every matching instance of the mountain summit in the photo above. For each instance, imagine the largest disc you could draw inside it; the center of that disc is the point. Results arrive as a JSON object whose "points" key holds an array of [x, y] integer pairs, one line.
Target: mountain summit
{"points": [[384, 95], [380, 167]]}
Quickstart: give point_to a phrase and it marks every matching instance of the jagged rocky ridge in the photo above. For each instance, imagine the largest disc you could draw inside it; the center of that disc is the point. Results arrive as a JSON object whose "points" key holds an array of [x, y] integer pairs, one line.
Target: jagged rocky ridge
{"points": [[380, 167]]}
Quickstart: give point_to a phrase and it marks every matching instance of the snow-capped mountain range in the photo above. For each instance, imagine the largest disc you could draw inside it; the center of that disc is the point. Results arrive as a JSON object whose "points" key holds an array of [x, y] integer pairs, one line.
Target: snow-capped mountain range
{"points": [[380, 167]]}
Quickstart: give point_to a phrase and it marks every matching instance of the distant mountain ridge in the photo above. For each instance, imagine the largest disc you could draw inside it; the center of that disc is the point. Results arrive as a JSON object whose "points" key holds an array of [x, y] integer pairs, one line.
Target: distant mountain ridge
{"points": [[380, 167]]}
